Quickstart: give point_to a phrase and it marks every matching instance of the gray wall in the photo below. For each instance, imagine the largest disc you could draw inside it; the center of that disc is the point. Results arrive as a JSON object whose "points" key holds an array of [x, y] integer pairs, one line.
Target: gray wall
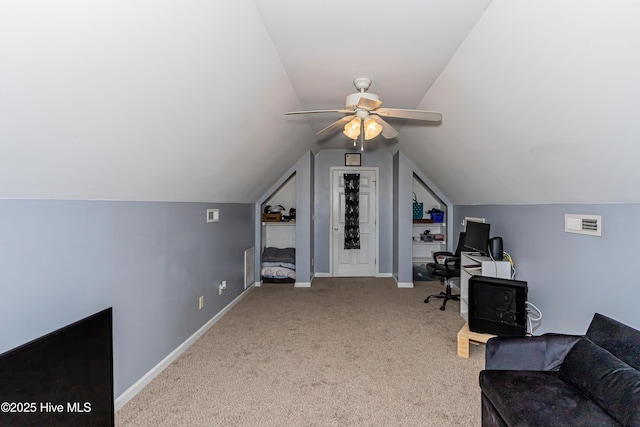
{"points": [[304, 221], [571, 276], [403, 220], [325, 159], [61, 261], [396, 214]]}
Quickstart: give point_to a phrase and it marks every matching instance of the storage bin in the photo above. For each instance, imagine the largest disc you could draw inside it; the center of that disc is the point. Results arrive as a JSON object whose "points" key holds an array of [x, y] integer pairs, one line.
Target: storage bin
{"points": [[437, 216], [418, 208], [271, 217]]}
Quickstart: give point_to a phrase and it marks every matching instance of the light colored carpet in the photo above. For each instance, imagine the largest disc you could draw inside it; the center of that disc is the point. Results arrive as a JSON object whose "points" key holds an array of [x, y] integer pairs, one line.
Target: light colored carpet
{"points": [[345, 352]]}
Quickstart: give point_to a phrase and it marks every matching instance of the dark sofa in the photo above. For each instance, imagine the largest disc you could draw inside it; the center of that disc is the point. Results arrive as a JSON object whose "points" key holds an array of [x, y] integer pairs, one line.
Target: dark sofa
{"points": [[564, 380]]}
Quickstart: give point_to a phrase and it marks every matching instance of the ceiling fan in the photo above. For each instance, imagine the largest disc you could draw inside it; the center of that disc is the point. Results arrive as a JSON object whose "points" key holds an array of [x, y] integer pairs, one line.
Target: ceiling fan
{"points": [[364, 113]]}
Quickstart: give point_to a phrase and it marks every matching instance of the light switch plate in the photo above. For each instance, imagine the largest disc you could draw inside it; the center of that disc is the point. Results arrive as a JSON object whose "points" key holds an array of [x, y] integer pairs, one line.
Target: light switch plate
{"points": [[213, 215]]}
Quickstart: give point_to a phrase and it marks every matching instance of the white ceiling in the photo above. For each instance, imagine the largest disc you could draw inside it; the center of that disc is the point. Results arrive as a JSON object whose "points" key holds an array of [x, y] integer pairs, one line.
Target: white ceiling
{"points": [[185, 100]]}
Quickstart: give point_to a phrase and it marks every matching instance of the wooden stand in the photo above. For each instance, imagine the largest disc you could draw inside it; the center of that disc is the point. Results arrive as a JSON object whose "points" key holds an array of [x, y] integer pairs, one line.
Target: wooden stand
{"points": [[465, 336]]}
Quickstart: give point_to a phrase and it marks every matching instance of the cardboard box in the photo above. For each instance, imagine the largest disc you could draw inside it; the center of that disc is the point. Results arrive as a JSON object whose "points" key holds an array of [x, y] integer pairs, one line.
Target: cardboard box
{"points": [[272, 217]]}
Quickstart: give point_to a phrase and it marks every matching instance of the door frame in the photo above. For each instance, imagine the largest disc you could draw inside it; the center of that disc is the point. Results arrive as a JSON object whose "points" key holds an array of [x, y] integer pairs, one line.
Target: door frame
{"points": [[376, 249]]}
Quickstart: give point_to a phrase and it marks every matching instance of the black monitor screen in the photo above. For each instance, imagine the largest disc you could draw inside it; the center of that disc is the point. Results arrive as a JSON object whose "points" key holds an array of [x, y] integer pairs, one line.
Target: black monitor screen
{"points": [[64, 378], [477, 237]]}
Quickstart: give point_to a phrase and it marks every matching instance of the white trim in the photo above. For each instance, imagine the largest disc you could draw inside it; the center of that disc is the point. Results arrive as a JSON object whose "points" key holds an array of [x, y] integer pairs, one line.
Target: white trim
{"points": [[302, 285], [129, 393], [405, 285], [257, 284], [322, 274], [384, 275]]}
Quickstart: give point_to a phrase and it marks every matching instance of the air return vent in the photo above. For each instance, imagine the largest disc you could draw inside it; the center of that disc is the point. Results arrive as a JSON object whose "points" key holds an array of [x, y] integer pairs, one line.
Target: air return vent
{"points": [[583, 224], [249, 267]]}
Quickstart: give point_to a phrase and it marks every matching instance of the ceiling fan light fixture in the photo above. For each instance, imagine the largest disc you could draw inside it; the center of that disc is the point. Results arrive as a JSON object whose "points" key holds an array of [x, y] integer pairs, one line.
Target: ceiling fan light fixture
{"points": [[352, 129], [371, 129], [359, 107]]}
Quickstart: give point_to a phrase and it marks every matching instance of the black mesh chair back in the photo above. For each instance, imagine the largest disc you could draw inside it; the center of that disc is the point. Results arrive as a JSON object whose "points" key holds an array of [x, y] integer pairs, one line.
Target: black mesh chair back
{"points": [[446, 266]]}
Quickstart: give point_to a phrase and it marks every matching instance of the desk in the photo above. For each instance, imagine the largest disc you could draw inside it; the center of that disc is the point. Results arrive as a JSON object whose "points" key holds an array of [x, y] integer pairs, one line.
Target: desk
{"points": [[465, 336]]}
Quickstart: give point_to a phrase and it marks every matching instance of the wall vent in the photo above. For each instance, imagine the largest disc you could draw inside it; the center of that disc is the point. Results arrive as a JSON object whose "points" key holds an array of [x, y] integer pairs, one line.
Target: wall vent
{"points": [[249, 267], [583, 224]]}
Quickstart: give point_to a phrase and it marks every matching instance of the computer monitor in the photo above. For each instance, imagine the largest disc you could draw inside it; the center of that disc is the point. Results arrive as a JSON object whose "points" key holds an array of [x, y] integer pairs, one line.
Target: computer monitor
{"points": [[477, 237]]}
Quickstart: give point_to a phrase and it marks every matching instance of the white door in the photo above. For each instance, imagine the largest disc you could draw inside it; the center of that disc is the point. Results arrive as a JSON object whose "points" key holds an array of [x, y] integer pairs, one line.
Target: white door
{"points": [[355, 262]]}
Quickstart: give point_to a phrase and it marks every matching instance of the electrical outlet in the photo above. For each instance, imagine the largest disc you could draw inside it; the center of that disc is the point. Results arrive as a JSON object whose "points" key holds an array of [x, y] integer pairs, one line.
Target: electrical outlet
{"points": [[201, 302], [222, 287]]}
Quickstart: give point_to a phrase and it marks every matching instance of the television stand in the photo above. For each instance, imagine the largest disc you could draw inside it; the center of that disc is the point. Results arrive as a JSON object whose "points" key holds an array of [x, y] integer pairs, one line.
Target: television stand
{"points": [[465, 336]]}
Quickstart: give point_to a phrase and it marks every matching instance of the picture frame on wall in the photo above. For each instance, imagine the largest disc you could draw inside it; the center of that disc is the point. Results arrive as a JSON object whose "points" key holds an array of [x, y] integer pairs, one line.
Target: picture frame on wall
{"points": [[352, 159]]}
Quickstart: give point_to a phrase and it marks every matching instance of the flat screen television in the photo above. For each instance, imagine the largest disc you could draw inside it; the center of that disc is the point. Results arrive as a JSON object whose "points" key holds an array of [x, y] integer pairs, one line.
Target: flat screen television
{"points": [[497, 306], [476, 237], [64, 378]]}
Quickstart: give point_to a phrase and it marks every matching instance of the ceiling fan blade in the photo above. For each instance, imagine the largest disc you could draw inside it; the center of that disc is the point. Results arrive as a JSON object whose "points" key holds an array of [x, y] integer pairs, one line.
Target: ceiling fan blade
{"points": [[319, 111], [387, 130], [432, 116], [335, 125], [368, 104]]}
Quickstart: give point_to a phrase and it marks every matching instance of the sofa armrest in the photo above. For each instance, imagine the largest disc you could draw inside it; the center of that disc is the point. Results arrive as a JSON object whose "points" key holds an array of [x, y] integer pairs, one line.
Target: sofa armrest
{"points": [[539, 353]]}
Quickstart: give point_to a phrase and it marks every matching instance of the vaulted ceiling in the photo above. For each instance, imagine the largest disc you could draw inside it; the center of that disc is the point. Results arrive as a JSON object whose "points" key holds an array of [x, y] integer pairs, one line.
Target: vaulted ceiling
{"points": [[185, 100]]}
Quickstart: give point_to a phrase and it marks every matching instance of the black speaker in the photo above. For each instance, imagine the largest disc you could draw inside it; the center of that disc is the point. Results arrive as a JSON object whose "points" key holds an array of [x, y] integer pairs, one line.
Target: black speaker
{"points": [[495, 247]]}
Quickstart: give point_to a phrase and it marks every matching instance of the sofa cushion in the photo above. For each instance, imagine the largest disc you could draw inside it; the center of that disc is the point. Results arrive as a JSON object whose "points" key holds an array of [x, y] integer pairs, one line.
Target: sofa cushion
{"points": [[604, 378], [619, 339], [541, 353], [536, 398]]}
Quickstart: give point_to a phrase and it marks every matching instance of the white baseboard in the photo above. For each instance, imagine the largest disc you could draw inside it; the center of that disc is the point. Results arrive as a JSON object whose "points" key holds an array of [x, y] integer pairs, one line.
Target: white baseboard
{"points": [[329, 275], [156, 370], [404, 285], [302, 285], [257, 284]]}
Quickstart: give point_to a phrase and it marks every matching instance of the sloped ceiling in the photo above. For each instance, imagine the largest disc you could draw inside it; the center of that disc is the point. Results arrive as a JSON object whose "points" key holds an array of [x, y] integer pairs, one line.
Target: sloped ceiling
{"points": [[401, 45], [139, 100], [185, 100], [541, 105]]}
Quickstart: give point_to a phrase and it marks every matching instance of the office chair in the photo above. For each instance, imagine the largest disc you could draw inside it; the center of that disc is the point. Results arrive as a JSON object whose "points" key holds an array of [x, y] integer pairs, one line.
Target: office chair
{"points": [[446, 266]]}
